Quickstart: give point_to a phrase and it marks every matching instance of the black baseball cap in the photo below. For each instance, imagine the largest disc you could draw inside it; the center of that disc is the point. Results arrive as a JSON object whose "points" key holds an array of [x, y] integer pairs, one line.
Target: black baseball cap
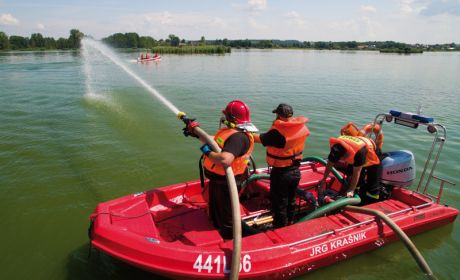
{"points": [[284, 110]]}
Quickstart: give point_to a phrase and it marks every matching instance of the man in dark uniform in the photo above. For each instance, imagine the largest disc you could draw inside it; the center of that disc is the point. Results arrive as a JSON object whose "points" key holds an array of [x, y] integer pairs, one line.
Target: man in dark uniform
{"points": [[361, 156], [236, 143], [285, 142]]}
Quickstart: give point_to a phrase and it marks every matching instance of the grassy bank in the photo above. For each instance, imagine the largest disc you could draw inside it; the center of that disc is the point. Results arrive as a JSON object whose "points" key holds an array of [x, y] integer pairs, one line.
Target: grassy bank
{"points": [[218, 49], [401, 50]]}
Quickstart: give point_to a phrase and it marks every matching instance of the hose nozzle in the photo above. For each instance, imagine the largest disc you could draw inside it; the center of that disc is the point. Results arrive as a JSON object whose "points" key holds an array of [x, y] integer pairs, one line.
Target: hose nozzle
{"points": [[181, 115]]}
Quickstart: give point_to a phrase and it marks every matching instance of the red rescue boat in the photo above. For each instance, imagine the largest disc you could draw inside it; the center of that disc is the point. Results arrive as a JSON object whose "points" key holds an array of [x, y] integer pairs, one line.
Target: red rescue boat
{"points": [[149, 58], [167, 230]]}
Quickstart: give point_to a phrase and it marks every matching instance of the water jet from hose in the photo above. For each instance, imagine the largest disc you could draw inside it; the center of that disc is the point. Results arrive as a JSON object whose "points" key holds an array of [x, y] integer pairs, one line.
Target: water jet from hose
{"points": [[90, 43]]}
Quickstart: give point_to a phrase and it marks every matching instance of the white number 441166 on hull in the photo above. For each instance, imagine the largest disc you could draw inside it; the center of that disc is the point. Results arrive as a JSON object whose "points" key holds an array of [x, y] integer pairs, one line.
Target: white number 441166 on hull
{"points": [[218, 264]]}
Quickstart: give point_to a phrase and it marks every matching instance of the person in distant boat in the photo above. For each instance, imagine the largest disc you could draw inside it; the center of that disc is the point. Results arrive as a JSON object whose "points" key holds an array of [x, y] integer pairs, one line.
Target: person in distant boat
{"points": [[147, 56], [237, 143], [141, 56], [155, 55], [285, 142], [361, 156]]}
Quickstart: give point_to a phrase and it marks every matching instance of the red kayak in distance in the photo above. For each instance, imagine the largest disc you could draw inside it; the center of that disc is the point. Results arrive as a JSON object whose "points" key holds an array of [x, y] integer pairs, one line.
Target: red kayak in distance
{"points": [[168, 231], [152, 58]]}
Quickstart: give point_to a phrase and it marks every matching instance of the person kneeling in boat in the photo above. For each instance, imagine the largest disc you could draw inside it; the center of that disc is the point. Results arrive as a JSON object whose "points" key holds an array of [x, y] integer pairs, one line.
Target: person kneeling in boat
{"points": [[285, 142], [361, 155], [237, 143]]}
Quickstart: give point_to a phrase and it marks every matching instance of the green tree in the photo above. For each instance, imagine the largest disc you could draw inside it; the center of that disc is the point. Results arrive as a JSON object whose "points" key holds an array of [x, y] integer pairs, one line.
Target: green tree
{"points": [[50, 43], [146, 42], [352, 45], [36, 41], [265, 44], [4, 42], [74, 38], [18, 42], [225, 42], [117, 40], [202, 41], [132, 40], [62, 44], [174, 40]]}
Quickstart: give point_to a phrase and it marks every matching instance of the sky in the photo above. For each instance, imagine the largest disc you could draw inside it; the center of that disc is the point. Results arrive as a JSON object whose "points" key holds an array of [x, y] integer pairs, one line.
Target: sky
{"points": [[408, 21]]}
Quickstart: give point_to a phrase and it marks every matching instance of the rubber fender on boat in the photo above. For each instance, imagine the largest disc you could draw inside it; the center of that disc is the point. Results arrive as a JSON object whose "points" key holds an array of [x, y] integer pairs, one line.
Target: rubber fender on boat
{"points": [[339, 203]]}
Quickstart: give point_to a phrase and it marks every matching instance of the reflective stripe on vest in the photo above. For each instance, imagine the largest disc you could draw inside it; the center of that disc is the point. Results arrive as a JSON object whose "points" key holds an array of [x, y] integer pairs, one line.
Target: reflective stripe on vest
{"points": [[352, 145], [239, 164], [295, 132]]}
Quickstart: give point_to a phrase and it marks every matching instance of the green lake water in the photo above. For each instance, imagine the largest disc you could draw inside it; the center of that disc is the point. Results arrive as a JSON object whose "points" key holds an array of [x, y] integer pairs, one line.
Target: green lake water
{"points": [[77, 130]]}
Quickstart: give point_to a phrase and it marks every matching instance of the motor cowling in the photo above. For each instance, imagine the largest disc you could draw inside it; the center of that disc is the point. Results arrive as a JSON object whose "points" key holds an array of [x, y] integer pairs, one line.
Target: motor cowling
{"points": [[398, 168]]}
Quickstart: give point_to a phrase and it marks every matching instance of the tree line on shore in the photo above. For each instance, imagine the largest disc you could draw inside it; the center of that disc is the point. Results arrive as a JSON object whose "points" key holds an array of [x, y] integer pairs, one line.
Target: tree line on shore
{"points": [[173, 44], [37, 41], [133, 40]]}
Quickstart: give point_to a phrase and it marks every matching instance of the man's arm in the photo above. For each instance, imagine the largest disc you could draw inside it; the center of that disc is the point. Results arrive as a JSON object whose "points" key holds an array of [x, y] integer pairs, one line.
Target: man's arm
{"points": [[256, 137], [272, 138], [222, 158]]}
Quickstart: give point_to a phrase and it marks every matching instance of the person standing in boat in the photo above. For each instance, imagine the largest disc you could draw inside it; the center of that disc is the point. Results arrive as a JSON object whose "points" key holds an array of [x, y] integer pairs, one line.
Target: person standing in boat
{"points": [[285, 142], [361, 155], [237, 143]]}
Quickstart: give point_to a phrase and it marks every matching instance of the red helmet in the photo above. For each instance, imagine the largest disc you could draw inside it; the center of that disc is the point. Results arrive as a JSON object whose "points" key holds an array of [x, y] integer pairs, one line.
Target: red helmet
{"points": [[237, 112]]}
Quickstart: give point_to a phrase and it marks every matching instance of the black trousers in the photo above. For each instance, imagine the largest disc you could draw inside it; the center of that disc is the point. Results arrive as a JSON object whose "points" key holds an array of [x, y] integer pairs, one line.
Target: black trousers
{"points": [[283, 185], [220, 206], [370, 183]]}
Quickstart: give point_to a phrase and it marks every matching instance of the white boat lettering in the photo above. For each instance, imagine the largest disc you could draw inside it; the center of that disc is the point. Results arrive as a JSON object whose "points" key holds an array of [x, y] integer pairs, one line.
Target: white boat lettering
{"points": [[332, 245], [216, 264]]}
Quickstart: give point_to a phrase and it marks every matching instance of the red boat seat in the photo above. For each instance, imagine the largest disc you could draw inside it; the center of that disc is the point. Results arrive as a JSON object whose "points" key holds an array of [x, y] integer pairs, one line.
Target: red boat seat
{"points": [[199, 231]]}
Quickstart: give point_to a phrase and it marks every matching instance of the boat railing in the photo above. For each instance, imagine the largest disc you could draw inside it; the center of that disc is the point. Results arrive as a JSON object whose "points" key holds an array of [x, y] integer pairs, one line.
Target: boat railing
{"points": [[437, 197], [439, 137]]}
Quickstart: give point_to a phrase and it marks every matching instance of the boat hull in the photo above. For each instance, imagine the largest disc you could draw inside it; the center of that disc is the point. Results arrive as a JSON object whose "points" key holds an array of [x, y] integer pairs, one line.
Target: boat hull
{"points": [[149, 59], [167, 231]]}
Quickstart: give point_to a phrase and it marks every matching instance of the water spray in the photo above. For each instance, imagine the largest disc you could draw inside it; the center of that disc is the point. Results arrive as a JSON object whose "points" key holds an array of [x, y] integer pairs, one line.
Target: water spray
{"points": [[202, 135], [88, 42]]}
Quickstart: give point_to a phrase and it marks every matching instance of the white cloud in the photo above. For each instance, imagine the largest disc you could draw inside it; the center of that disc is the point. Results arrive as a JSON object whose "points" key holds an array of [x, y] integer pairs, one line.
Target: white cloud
{"points": [[218, 22], [295, 19], [369, 9], [257, 25], [40, 26], [8, 19], [412, 7], [440, 7], [257, 5], [161, 24], [164, 18]]}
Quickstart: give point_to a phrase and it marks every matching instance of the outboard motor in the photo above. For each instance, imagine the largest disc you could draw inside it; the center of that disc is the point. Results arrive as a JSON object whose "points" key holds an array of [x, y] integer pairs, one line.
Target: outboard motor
{"points": [[398, 168]]}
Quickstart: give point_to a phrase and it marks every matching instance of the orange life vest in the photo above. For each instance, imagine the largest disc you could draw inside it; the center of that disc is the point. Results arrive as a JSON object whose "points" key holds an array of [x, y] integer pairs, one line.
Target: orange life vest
{"points": [[353, 144], [295, 132], [239, 164]]}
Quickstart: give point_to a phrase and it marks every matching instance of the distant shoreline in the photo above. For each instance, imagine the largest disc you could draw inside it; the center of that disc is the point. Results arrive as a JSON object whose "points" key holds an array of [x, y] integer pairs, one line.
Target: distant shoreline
{"points": [[174, 44], [173, 50]]}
